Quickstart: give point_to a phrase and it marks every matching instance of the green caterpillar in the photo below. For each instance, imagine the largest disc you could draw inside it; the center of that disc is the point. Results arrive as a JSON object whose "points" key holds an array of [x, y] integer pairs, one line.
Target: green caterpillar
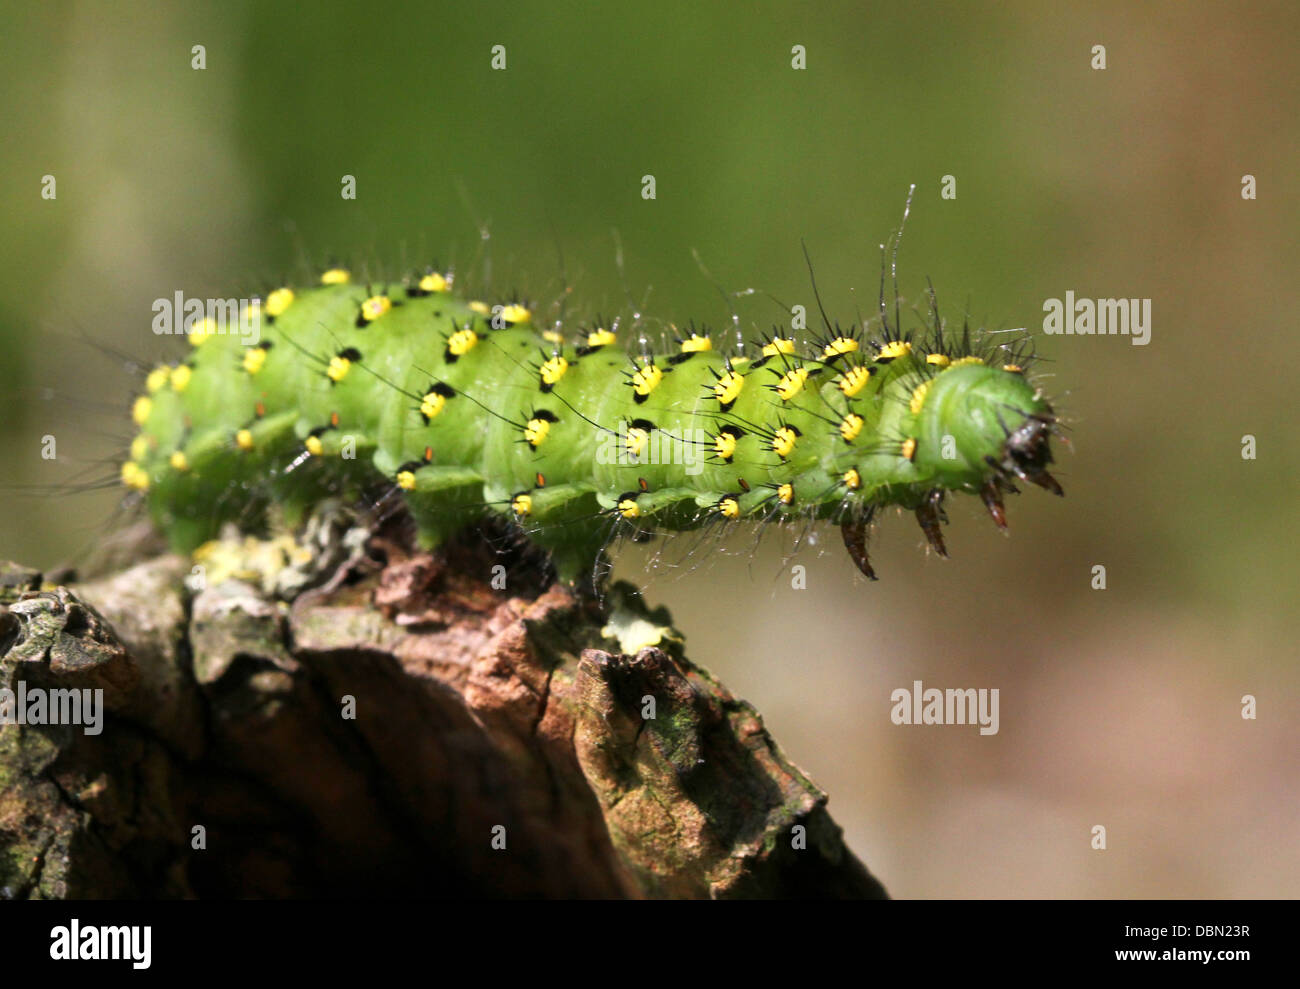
{"points": [[465, 409]]}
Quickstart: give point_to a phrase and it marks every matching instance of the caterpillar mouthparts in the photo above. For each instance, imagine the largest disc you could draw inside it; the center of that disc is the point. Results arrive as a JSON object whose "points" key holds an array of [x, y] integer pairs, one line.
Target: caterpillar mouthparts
{"points": [[1028, 450], [461, 409]]}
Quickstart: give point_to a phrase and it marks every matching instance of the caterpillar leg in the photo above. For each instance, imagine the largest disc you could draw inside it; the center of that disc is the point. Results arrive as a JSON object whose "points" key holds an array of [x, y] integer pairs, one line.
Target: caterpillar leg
{"points": [[326, 460], [854, 531], [564, 515], [201, 486], [991, 494], [930, 514], [442, 500], [559, 520]]}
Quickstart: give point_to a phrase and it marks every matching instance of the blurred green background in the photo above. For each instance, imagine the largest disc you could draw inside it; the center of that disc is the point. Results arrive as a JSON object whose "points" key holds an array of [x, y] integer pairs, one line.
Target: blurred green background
{"points": [[1119, 707]]}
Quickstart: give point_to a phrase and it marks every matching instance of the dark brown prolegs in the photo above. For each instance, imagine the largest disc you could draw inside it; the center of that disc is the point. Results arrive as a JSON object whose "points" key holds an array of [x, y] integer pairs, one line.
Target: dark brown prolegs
{"points": [[854, 531], [930, 514], [991, 494]]}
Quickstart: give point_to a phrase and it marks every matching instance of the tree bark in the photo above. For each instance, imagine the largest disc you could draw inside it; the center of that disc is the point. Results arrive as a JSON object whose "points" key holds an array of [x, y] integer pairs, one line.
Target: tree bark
{"points": [[401, 729]]}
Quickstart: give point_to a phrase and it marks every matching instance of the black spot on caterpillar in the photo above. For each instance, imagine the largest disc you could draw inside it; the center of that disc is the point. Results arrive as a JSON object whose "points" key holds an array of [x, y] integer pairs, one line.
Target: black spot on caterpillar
{"points": [[464, 410]]}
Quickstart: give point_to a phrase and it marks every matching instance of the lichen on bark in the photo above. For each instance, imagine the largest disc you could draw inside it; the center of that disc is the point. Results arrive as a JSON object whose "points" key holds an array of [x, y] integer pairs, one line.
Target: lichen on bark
{"points": [[398, 726]]}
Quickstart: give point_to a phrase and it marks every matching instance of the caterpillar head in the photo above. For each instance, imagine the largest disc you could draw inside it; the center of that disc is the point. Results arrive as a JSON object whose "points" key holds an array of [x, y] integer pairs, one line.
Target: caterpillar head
{"points": [[1028, 451], [993, 421], [975, 428]]}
